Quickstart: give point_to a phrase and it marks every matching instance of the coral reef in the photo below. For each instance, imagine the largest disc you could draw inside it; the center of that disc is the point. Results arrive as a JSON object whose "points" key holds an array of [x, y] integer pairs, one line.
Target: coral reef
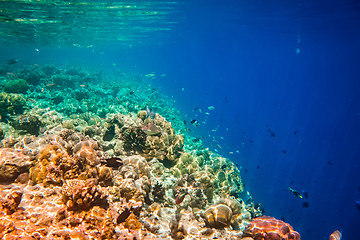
{"points": [[265, 227], [81, 158]]}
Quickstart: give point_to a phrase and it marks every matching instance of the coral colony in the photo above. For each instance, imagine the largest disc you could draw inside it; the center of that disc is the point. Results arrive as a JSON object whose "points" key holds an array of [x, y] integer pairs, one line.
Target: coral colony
{"points": [[81, 159]]}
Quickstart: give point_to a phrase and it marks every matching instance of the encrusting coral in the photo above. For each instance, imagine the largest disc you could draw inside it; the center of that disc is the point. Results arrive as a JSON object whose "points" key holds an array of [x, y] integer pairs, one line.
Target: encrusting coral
{"points": [[264, 227]]}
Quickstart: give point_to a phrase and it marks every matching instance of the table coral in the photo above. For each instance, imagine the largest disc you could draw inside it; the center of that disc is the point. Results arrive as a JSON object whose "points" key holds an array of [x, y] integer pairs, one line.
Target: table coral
{"points": [[269, 228]]}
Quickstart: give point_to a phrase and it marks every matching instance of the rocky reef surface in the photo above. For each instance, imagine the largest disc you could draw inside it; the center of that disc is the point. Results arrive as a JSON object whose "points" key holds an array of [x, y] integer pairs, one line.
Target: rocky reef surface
{"points": [[83, 157]]}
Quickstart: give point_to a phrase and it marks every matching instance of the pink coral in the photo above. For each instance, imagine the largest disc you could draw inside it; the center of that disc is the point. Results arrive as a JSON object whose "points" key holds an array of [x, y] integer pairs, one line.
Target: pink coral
{"points": [[269, 228]]}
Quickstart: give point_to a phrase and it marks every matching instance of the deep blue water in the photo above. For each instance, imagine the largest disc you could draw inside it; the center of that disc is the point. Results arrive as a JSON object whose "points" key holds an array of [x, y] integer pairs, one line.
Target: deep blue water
{"points": [[284, 80], [291, 68]]}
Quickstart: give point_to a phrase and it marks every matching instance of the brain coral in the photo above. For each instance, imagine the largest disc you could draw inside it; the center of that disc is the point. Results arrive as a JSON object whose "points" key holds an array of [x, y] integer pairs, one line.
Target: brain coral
{"points": [[218, 216], [269, 228]]}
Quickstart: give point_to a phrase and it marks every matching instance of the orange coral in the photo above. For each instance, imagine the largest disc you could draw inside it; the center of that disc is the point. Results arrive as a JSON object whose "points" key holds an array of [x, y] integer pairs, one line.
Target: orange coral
{"points": [[269, 228]]}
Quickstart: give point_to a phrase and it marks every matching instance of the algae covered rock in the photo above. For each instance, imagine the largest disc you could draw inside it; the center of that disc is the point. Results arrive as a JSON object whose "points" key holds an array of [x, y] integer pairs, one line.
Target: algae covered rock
{"points": [[12, 164], [28, 123], [16, 86], [11, 103]]}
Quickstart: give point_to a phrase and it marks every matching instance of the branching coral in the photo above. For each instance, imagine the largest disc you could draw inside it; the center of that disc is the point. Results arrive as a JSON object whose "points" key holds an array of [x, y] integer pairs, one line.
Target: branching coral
{"points": [[134, 139], [81, 195]]}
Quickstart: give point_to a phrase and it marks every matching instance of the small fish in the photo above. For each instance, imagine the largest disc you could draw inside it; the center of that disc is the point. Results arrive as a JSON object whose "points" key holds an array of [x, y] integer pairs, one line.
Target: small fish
{"points": [[132, 92], [357, 204], [272, 134], [195, 123], [283, 151], [12, 61], [123, 216], [180, 198], [295, 193], [151, 129], [295, 132], [31, 100], [305, 194], [211, 108], [50, 84], [150, 113], [113, 162], [306, 205], [336, 235], [82, 85]]}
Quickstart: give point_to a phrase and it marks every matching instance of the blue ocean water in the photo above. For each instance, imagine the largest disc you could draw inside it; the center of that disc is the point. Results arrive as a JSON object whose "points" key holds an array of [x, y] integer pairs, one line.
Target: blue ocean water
{"points": [[283, 78]]}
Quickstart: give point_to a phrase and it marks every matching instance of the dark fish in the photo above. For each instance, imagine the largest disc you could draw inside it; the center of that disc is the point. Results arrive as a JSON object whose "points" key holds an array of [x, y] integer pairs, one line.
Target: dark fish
{"points": [[184, 121], [272, 134], [330, 163], [295, 132], [357, 204], [113, 162], [12, 61], [257, 205], [251, 141], [284, 151], [195, 123], [306, 205], [295, 193], [132, 92], [123, 216], [258, 167], [305, 194], [335, 235]]}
